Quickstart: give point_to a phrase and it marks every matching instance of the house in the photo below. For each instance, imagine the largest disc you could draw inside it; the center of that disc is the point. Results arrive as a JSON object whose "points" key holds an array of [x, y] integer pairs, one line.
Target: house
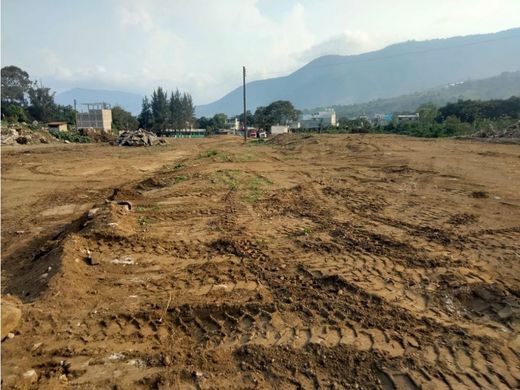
{"points": [[59, 126], [319, 119], [279, 129], [98, 116], [407, 117]]}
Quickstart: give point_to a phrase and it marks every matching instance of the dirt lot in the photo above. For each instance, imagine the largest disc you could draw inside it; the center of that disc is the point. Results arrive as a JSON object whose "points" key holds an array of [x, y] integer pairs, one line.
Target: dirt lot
{"points": [[309, 262]]}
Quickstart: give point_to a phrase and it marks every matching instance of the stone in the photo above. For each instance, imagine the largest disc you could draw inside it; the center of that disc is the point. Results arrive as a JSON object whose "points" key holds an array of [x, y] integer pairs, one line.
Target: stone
{"points": [[11, 316], [92, 213], [30, 376]]}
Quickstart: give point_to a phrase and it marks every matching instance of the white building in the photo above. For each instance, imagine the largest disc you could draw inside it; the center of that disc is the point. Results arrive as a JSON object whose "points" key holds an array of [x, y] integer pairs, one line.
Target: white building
{"points": [[279, 129], [408, 118], [319, 119]]}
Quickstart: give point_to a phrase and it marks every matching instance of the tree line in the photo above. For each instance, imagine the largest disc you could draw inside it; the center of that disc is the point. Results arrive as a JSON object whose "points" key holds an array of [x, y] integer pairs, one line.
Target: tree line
{"points": [[280, 112], [24, 100], [160, 113]]}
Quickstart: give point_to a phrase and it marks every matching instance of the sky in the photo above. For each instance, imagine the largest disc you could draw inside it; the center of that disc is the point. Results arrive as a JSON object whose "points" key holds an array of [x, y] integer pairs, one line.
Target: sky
{"points": [[200, 46]]}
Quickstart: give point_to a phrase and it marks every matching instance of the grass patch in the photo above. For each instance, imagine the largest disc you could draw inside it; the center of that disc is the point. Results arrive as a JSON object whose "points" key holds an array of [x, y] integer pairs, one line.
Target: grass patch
{"points": [[143, 209], [143, 220], [70, 136], [255, 188], [216, 155], [227, 179]]}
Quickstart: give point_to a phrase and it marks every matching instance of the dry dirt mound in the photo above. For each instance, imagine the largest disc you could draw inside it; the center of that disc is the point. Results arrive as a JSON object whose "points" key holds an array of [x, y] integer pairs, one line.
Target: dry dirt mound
{"points": [[97, 135]]}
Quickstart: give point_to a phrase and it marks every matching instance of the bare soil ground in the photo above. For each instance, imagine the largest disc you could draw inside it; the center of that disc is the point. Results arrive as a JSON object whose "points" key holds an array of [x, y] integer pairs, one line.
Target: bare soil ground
{"points": [[309, 262]]}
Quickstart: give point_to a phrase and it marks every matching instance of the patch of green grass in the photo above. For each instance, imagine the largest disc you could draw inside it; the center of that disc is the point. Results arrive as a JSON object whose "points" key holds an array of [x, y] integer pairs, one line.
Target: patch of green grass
{"points": [[216, 155], [178, 166], [255, 188], [180, 178], [226, 178], [143, 221], [143, 209], [70, 136]]}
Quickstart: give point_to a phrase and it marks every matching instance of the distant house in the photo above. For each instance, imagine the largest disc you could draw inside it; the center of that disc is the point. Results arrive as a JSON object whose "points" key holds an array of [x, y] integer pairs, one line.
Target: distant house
{"points": [[319, 119], [279, 129], [407, 117], [98, 116], [60, 126]]}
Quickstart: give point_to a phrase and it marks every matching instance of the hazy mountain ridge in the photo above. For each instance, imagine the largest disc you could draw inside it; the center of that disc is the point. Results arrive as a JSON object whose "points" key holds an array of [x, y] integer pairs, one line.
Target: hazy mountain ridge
{"points": [[398, 69], [502, 86]]}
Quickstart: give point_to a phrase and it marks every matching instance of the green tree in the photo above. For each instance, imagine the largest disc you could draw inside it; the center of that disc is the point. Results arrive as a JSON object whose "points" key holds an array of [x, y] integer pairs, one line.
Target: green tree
{"points": [[280, 112], [219, 121], [15, 113], [66, 114], [15, 85], [176, 114], [123, 120], [146, 116], [187, 109], [42, 107], [160, 110]]}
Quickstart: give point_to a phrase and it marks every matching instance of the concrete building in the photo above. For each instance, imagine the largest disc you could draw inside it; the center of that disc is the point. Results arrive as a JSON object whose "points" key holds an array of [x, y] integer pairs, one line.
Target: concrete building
{"points": [[319, 119], [408, 118], [98, 116], [60, 126], [279, 129]]}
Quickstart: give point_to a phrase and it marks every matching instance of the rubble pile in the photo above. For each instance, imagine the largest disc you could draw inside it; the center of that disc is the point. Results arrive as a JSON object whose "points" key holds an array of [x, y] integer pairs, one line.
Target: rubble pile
{"points": [[511, 132], [139, 137], [23, 136], [97, 135]]}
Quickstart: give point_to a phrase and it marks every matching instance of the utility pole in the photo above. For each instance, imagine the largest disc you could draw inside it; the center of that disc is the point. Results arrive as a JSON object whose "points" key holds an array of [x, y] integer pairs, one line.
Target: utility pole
{"points": [[76, 115], [245, 114]]}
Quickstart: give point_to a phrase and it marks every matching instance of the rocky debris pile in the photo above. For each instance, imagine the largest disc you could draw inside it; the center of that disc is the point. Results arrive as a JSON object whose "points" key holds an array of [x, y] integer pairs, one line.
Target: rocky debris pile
{"points": [[19, 135], [139, 137], [511, 132]]}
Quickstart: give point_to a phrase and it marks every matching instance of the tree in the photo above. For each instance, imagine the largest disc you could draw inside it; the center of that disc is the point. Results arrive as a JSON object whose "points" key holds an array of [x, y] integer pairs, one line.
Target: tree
{"points": [[176, 114], [160, 109], [219, 121], [187, 109], [145, 118], [249, 116], [15, 113], [280, 112], [123, 120], [66, 114], [42, 107], [15, 85]]}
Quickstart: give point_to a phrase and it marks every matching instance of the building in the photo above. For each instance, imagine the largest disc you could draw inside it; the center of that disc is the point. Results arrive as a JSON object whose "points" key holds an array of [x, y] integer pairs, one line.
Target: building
{"points": [[279, 130], [233, 125], [59, 126], [98, 116], [407, 117], [319, 119]]}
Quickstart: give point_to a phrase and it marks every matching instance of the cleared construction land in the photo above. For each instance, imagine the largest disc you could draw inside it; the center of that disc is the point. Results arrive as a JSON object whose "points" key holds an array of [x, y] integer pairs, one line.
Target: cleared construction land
{"points": [[305, 262]]}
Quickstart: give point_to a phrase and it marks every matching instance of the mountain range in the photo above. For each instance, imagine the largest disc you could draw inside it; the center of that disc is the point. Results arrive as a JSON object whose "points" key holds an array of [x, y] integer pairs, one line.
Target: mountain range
{"points": [[414, 69], [396, 70], [502, 86]]}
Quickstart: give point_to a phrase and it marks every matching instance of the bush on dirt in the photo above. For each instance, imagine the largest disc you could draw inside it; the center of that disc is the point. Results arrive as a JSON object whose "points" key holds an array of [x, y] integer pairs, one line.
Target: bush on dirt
{"points": [[70, 136]]}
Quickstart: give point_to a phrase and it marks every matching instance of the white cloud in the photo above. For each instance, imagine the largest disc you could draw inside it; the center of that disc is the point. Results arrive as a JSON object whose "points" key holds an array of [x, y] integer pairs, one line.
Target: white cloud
{"points": [[348, 42], [200, 45]]}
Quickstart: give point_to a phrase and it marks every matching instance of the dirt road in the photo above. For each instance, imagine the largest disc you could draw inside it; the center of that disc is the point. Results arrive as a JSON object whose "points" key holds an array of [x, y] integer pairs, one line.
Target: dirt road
{"points": [[308, 262]]}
